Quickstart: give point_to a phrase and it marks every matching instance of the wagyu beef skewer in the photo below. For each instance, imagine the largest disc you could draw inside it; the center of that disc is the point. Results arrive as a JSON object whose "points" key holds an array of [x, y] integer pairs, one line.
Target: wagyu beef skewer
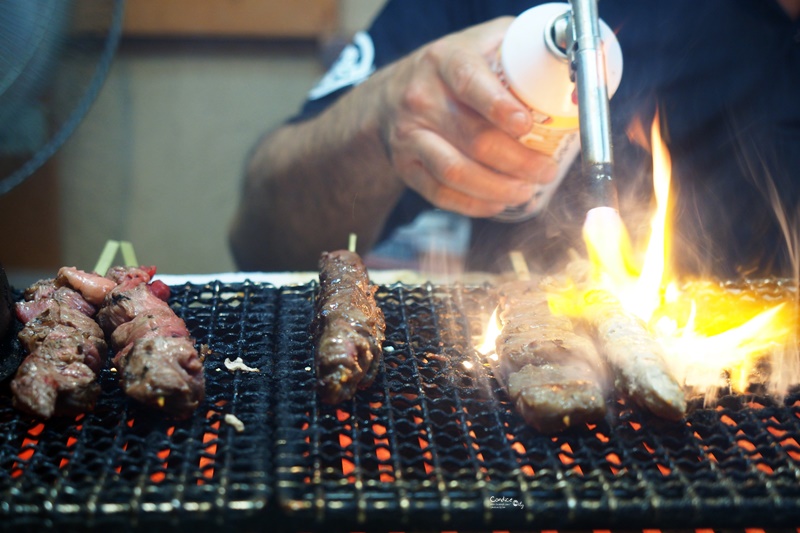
{"points": [[554, 376], [348, 327], [156, 359], [65, 346], [637, 360]]}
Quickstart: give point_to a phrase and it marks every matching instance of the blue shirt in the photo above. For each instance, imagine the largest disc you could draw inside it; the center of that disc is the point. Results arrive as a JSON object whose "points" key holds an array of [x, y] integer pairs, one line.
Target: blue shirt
{"points": [[725, 77]]}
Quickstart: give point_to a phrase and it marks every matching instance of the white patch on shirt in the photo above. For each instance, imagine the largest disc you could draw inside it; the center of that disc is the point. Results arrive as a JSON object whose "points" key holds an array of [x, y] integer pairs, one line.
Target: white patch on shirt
{"points": [[355, 64]]}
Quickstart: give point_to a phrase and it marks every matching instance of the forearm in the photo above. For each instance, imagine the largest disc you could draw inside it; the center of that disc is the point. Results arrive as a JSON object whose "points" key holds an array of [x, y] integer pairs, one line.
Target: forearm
{"points": [[309, 185]]}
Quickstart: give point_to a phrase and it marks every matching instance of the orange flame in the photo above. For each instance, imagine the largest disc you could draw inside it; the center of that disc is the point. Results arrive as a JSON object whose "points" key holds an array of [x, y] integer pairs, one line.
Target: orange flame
{"points": [[704, 328], [487, 346], [727, 333]]}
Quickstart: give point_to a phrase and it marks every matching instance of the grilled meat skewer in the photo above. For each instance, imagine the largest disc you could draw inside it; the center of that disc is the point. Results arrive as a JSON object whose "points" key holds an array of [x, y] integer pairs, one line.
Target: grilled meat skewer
{"points": [[157, 361], [65, 347], [553, 375], [156, 358], [348, 327], [637, 360]]}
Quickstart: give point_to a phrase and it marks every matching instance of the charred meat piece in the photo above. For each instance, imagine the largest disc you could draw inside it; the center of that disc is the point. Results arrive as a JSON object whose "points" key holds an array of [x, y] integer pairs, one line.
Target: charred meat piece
{"points": [[156, 358], [553, 375], [92, 287], [65, 349], [127, 302], [162, 372], [6, 305], [637, 360], [43, 299], [155, 322], [60, 322], [47, 386], [10, 354], [348, 327]]}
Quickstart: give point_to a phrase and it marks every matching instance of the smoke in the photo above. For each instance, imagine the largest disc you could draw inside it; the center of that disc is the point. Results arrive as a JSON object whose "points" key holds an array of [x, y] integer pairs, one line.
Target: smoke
{"points": [[784, 361]]}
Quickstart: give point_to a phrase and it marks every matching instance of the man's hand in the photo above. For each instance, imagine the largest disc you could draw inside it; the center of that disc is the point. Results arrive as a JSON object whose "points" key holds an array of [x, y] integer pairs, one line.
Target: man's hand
{"points": [[450, 127], [438, 121]]}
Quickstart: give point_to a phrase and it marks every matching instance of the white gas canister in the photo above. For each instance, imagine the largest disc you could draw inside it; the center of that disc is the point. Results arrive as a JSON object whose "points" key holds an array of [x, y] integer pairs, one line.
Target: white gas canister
{"points": [[533, 66]]}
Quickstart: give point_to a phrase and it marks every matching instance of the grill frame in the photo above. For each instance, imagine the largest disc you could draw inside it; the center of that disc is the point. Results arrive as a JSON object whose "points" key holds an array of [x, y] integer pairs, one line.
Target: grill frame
{"points": [[429, 446]]}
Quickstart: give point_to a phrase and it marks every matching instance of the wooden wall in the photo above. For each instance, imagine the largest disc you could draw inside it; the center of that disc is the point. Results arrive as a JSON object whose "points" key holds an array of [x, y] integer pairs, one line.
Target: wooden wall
{"points": [[312, 19]]}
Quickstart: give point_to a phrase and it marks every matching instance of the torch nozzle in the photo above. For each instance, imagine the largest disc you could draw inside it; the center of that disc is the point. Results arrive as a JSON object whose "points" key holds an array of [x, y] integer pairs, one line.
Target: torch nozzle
{"points": [[601, 189], [589, 70]]}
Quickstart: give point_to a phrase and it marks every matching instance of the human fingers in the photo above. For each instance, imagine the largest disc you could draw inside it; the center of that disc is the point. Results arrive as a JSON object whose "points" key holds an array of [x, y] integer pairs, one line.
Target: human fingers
{"points": [[453, 181], [421, 180], [464, 62], [481, 141]]}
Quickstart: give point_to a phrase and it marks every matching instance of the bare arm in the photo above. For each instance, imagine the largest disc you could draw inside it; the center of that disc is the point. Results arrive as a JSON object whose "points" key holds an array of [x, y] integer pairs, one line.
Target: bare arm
{"points": [[437, 121], [311, 184]]}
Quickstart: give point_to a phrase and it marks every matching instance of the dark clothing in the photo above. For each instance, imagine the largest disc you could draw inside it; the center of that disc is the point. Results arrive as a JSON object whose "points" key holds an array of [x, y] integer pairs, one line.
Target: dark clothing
{"points": [[725, 77]]}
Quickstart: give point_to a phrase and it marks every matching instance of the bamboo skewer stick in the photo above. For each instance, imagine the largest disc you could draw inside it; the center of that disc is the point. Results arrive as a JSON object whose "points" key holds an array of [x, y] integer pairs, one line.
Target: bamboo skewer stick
{"points": [[128, 255], [106, 257], [519, 265], [109, 253]]}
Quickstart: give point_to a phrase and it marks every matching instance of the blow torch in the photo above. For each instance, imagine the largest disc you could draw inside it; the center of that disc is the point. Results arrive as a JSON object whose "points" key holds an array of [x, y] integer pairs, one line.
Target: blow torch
{"points": [[587, 66], [564, 63]]}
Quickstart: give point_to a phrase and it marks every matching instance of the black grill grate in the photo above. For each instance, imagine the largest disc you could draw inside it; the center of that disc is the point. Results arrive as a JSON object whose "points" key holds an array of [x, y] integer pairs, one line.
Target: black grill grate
{"points": [[432, 445]]}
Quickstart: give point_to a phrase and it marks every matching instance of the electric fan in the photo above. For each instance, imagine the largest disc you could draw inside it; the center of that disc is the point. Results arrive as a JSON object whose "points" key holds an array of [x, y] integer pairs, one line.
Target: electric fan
{"points": [[54, 57]]}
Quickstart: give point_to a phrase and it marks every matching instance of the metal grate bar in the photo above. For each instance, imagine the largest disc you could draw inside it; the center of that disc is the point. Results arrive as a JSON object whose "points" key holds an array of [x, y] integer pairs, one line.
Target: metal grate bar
{"points": [[422, 343], [434, 444], [451, 321]]}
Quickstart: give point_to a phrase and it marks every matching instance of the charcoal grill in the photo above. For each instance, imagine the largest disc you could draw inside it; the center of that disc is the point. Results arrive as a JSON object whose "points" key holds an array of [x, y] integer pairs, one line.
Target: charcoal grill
{"points": [[432, 445]]}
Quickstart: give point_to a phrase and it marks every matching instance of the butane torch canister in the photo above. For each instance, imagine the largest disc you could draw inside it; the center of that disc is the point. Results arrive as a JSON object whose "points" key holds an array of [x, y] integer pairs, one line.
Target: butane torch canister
{"points": [[533, 63]]}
